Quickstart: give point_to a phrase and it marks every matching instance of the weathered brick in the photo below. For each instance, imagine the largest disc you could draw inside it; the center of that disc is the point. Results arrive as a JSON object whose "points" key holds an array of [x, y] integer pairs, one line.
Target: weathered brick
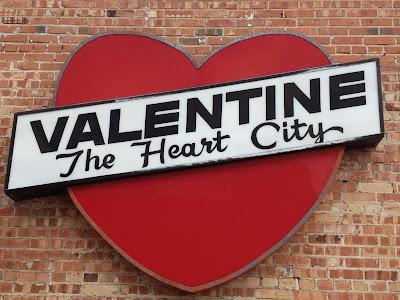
{"points": [[272, 294], [348, 249], [375, 187], [312, 295]]}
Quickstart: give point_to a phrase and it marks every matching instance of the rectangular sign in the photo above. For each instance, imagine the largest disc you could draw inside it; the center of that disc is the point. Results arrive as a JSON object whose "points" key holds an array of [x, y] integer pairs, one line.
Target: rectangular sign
{"points": [[55, 148]]}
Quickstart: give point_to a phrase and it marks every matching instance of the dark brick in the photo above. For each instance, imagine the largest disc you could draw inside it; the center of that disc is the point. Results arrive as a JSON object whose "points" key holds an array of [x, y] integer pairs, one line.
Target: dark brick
{"points": [[14, 20], [90, 277], [209, 32], [41, 29], [111, 13], [372, 31], [190, 41]]}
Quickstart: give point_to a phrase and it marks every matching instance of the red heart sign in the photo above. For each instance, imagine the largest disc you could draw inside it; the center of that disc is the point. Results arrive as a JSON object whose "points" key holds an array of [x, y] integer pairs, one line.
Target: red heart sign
{"points": [[197, 228]]}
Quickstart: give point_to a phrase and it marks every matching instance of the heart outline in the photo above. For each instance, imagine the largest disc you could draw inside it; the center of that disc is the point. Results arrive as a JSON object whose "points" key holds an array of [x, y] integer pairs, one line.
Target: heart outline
{"points": [[198, 66]]}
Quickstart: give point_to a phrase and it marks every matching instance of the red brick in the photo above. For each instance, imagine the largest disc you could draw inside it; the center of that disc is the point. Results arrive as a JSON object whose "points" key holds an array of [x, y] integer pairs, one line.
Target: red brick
{"points": [[164, 4], [69, 266], [194, 5], [283, 4], [331, 13], [343, 285], [325, 284], [348, 249], [275, 294], [388, 13], [344, 22], [394, 286], [291, 260], [311, 295], [254, 4], [206, 14], [13, 3], [361, 240], [377, 252], [342, 251], [220, 23], [65, 288], [314, 4], [362, 263], [381, 296], [333, 31], [345, 296], [313, 22], [370, 13], [346, 274], [381, 275], [30, 254], [75, 4], [268, 14], [310, 273], [5, 287]]}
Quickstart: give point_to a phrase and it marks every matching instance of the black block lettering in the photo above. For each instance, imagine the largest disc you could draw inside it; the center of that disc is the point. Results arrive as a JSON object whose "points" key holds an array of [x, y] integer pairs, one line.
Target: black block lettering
{"points": [[312, 104], [243, 97], [93, 135], [336, 91], [153, 119], [45, 145], [270, 102], [195, 107], [114, 135]]}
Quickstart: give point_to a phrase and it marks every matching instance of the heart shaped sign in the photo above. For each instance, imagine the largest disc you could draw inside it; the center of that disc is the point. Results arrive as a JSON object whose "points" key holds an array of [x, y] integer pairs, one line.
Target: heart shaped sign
{"points": [[197, 228]]}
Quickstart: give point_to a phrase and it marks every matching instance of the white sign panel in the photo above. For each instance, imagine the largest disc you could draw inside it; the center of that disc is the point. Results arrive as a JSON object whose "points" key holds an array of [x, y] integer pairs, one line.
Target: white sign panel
{"points": [[56, 148]]}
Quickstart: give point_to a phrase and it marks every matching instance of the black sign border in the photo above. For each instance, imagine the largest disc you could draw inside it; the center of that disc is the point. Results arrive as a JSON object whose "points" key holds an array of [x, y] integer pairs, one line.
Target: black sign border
{"points": [[60, 187]]}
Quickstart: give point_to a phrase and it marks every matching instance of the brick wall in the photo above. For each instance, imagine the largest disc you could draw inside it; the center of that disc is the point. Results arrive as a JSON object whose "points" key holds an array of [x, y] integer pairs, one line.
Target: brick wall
{"points": [[348, 249]]}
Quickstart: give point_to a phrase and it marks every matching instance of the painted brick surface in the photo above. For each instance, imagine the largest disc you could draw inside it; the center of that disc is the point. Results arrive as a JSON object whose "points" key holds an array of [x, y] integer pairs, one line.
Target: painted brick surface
{"points": [[348, 249]]}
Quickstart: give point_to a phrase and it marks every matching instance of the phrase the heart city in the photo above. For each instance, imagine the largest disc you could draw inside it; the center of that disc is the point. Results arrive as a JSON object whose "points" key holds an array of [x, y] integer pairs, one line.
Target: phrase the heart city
{"points": [[118, 138]]}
